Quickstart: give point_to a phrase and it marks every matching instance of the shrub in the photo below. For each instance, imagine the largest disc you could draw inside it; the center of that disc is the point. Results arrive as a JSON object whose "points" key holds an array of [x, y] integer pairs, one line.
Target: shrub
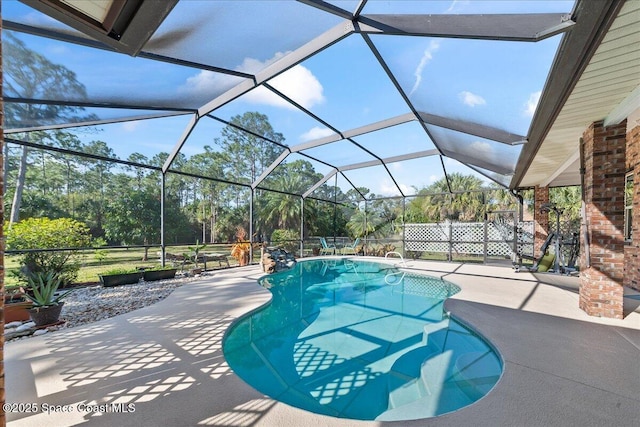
{"points": [[45, 233], [286, 239]]}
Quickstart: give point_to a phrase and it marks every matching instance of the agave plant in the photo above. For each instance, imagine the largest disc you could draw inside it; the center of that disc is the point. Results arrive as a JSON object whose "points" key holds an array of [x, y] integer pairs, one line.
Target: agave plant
{"points": [[44, 286]]}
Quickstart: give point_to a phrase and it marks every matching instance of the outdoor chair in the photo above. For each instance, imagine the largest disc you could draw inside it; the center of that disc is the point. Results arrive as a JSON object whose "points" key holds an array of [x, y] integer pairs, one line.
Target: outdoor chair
{"points": [[351, 249], [326, 249]]}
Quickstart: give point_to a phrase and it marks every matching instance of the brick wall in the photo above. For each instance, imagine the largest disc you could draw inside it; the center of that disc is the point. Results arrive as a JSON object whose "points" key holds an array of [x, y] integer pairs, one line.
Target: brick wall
{"points": [[605, 168], [632, 250], [2, 395], [540, 219]]}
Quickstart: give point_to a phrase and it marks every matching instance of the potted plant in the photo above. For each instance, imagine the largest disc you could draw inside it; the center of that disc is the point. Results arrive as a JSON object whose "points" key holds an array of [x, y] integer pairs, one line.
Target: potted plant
{"points": [[158, 273], [16, 305], [47, 301], [241, 250], [194, 255], [120, 276]]}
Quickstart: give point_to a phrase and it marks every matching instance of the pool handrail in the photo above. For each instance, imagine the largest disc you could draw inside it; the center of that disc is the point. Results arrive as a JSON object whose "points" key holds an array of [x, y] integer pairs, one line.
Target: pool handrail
{"points": [[389, 275], [386, 256]]}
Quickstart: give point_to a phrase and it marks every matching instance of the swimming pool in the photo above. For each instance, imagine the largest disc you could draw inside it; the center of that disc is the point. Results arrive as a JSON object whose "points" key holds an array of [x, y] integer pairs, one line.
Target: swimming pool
{"points": [[361, 340]]}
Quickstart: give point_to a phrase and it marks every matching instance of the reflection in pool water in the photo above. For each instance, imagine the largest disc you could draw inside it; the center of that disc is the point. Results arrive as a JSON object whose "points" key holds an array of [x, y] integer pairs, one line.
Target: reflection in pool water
{"points": [[361, 340]]}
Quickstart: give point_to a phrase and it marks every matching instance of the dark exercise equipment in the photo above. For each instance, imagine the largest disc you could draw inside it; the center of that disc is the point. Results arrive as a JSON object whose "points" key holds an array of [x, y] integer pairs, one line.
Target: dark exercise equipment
{"points": [[554, 262]]}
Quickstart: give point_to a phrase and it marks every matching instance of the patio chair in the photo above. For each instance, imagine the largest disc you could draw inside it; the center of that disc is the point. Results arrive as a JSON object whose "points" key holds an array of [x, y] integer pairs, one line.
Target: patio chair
{"points": [[326, 249], [351, 249]]}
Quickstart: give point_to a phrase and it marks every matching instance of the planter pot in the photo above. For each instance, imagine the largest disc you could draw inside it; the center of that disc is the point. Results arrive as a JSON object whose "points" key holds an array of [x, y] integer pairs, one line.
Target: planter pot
{"points": [[17, 311], [42, 316], [151, 275], [120, 279]]}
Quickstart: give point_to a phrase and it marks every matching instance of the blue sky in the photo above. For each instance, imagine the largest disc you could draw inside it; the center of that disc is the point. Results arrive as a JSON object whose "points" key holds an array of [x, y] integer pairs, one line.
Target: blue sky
{"points": [[343, 85]]}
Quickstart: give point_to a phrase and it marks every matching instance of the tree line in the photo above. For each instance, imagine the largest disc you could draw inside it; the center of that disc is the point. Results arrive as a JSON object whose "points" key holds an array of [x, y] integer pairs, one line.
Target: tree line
{"points": [[120, 203]]}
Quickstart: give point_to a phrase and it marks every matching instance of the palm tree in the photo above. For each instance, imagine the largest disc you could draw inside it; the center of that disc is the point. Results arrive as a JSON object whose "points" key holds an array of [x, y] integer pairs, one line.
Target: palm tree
{"points": [[464, 205], [569, 201]]}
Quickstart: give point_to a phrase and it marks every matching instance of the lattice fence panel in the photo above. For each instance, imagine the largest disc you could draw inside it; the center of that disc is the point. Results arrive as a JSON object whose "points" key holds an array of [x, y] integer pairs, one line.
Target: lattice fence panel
{"points": [[468, 238], [467, 232], [468, 248], [525, 238], [427, 237]]}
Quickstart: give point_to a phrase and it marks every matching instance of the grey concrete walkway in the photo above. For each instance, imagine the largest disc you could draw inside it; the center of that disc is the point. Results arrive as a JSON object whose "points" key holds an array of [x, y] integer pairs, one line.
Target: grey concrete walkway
{"points": [[562, 368]]}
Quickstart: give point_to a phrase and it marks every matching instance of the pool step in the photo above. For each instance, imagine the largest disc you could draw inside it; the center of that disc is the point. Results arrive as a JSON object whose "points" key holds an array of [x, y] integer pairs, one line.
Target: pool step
{"points": [[476, 373], [435, 334], [428, 384], [429, 394]]}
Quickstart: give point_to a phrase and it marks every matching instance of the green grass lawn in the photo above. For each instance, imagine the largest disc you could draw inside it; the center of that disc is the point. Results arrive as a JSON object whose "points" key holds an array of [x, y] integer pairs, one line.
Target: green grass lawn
{"points": [[95, 262]]}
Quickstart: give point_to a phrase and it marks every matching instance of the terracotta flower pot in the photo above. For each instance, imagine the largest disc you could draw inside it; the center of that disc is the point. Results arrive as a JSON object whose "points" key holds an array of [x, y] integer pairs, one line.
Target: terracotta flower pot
{"points": [[17, 311]]}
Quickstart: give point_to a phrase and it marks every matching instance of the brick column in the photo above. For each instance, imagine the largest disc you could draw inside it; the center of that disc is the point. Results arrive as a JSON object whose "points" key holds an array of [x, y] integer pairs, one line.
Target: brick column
{"points": [[632, 250], [540, 219], [604, 161]]}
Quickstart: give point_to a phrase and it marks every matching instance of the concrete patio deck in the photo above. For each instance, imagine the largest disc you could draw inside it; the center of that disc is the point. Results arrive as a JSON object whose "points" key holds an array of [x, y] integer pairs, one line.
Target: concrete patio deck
{"points": [[562, 367]]}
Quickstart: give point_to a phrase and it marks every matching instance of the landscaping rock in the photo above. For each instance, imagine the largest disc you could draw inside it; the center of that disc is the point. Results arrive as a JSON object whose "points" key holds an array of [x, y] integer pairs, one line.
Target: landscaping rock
{"points": [[12, 325], [93, 303]]}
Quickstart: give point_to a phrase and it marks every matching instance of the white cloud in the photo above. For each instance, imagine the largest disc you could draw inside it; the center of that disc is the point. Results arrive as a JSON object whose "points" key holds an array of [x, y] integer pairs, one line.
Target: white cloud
{"points": [[131, 126], [426, 57], [207, 82], [434, 178], [471, 99], [315, 133], [480, 147], [395, 166], [388, 188], [532, 103], [457, 5], [298, 83]]}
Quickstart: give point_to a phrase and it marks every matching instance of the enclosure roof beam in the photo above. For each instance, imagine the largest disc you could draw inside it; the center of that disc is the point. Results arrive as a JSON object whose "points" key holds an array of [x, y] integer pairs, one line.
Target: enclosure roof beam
{"points": [[354, 186], [301, 108], [176, 149], [328, 7], [80, 154], [387, 160], [475, 129], [315, 186], [463, 158], [75, 103], [361, 5], [383, 124], [530, 27], [483, 173], [271, 167], [83, 41], [91, 123], [411, 156]]}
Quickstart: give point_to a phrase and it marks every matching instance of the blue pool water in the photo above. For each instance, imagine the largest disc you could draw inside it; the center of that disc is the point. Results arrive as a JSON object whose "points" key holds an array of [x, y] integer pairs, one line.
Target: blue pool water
{"points": [[361, 340]]}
